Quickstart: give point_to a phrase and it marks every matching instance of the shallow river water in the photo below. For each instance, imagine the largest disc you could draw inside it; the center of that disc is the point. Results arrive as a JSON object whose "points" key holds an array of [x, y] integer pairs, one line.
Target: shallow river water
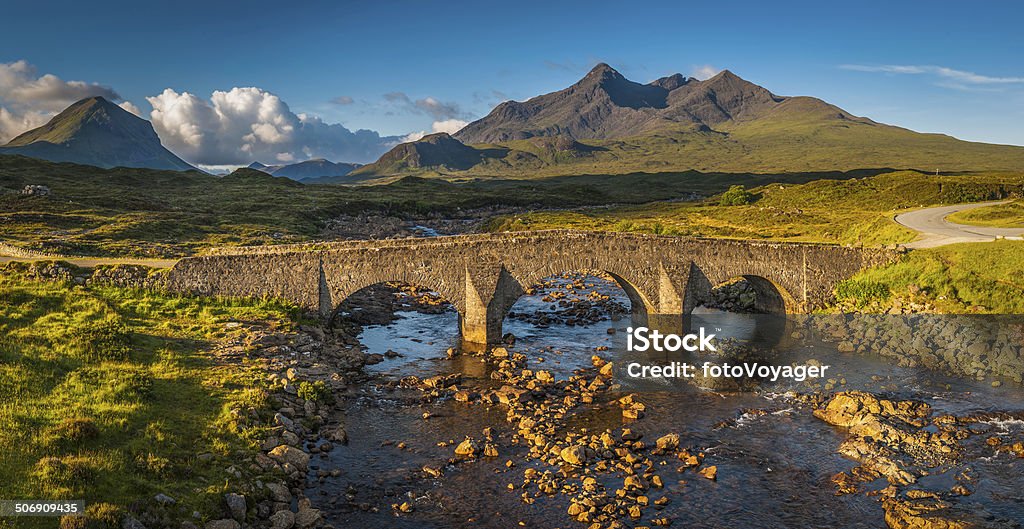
{"points": [[775, 459]]}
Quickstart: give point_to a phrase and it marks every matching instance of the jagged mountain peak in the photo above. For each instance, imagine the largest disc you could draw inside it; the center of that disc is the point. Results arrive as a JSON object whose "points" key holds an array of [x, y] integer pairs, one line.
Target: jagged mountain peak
{"points": [[672, 82], [606, 105]]}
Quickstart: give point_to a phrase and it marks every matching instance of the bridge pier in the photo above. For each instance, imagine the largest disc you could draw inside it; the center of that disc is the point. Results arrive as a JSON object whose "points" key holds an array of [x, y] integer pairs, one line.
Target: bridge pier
{"points": [[476, 335], [665, 323]]}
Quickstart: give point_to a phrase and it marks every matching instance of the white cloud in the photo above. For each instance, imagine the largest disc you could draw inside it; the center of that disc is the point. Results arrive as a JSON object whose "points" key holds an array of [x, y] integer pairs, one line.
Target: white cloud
{"points": [[451, 126], [28, 100], [959, 77], [241, 125], [130, 107], [704, 72]]}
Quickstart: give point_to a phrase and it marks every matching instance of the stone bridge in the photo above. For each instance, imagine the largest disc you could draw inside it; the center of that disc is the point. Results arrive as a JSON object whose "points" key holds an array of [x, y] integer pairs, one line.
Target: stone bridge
{"points": [[483, 275]]}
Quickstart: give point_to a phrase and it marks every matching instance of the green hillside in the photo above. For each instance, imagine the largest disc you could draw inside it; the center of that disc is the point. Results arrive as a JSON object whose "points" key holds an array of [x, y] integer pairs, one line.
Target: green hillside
{"points": [[149, 213], [848, 211]]}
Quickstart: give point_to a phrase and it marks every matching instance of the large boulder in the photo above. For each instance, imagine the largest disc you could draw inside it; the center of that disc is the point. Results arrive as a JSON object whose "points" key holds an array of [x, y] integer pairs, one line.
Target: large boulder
{"points": [[285, 454]]}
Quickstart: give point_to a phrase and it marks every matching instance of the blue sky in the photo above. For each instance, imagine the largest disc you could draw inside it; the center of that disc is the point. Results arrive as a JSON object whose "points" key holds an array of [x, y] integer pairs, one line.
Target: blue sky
{"points": [[398, 67]]}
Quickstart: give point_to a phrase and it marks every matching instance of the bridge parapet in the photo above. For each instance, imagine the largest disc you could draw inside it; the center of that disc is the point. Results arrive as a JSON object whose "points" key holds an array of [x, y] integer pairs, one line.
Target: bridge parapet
{"points": [[482, 275]]}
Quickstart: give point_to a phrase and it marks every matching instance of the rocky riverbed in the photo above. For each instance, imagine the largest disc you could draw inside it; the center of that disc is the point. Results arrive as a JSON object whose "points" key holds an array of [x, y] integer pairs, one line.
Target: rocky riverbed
{"points": [[380, 422], [542, 433]]}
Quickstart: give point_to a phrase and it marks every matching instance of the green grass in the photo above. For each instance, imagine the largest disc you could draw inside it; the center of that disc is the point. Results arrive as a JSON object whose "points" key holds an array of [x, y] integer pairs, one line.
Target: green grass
{"points": [[109, 394], [847, 211], [1009, 215], [970, 277], [145, 213]]}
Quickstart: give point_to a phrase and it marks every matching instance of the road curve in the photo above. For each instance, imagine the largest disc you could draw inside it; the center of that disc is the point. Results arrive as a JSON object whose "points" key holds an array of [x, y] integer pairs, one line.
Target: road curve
{"points": [[935, 230]]}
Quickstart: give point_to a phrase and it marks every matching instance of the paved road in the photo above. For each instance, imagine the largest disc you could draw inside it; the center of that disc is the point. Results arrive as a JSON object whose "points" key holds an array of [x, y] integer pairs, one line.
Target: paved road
{"points": [[90, 262], [935, 230]]}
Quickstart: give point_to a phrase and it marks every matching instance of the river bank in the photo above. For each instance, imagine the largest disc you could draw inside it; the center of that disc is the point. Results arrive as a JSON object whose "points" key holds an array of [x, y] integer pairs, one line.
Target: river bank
{"points": [[380, 421]]}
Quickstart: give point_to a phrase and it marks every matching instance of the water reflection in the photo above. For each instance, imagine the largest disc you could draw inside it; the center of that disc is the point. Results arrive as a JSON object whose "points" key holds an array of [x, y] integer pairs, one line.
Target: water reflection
{"points": [[775, 459]]}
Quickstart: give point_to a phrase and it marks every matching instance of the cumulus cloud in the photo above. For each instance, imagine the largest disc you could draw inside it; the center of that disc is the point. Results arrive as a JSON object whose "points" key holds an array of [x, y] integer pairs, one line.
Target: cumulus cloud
{"points": [[246, 124], [704, 72], [130, 107], [451, 126], [437, 109], [343, 100], [951, 78], [28, 99]]}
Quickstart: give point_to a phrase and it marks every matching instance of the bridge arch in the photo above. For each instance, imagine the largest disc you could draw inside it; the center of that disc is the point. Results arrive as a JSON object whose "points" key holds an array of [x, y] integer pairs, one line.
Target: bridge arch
{"points": [[769, 296], [352, 300], [640, 301]]}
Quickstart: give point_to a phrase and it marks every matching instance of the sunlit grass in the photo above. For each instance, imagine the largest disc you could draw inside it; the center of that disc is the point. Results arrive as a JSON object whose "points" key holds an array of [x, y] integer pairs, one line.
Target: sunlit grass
{"points": [[970, 277], [109, 394], [856, 211], [1009, 215]]}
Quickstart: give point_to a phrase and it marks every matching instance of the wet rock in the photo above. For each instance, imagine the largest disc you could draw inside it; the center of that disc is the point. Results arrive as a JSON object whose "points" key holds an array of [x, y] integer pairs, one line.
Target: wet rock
{"points": [[467, 448], [282, 520], [574, 455], [340, 436], [854, 408], [279, 492], [667, 442], [293, 456], [709, 472], [307, 517], [927, 513]]}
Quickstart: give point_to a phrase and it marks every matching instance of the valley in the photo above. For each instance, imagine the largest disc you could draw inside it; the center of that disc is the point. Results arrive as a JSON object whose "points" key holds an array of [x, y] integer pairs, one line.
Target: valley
{"points": [[291, 345]]}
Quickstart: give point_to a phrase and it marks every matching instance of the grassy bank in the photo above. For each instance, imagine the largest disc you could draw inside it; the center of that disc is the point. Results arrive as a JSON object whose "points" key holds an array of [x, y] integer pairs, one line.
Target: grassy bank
{"points": [[146, 213], [111, 395], [1009, 215], [971, 277], [849, 211]]}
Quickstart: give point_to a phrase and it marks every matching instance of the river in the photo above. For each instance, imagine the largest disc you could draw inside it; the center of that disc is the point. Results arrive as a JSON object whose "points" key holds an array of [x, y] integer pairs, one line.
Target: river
{"points": [[775, 459]]}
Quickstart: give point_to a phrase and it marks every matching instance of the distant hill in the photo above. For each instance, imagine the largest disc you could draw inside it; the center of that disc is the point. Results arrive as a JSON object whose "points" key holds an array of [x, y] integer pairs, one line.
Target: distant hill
{"points": [[96, 132], [607, 124], [432, 151], [318, 170]]}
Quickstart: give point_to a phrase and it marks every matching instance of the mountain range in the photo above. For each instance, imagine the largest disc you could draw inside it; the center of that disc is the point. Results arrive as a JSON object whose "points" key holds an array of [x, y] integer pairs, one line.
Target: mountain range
{"points": [[607, 124], [318, 170], [96, 132], [602, 124]]}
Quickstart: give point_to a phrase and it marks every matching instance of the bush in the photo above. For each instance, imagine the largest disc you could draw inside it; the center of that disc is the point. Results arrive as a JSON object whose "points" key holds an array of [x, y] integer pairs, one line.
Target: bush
{"points": [[314, 391], [862, 293], [101, 340], [74, 431], [59, 474], [736, 196]]}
